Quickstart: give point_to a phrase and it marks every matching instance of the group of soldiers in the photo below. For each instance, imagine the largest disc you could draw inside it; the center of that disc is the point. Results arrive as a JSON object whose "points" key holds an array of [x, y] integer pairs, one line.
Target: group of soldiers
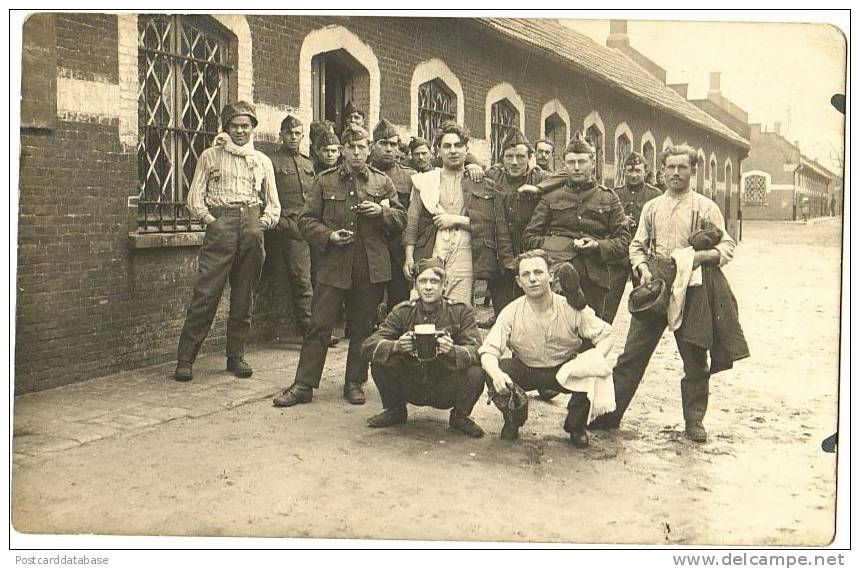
{"points": [[392, 237]]}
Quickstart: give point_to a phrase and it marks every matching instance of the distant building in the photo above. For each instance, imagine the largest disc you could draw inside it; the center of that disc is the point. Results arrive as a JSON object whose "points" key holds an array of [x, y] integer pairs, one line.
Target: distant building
{"points": [[118, 107], [780, 183]]}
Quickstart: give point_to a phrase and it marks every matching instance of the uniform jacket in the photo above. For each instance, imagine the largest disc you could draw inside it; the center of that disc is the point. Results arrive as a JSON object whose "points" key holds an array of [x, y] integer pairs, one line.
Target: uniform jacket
{"points": [[401, 176], [328, 209], [294, 176], [456, 317], [593, 211], [517, 208], [489, 232], [633, 199]]}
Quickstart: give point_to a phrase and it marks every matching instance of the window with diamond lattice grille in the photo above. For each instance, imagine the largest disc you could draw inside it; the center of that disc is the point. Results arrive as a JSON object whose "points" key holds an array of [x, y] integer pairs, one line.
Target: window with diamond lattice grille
{"points": [[436, 104], [503, 118], [183, 69], [755, 190], [622, 151], [595, 137]]}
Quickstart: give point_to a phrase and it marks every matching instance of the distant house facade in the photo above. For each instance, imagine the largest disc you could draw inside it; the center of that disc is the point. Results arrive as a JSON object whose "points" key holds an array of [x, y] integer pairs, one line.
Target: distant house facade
{"points": [[780, 183], [118, 107]]}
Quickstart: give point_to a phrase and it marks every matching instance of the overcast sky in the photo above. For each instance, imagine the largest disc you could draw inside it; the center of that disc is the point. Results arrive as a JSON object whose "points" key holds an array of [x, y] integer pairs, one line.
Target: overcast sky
{"points": [[776, 72]]}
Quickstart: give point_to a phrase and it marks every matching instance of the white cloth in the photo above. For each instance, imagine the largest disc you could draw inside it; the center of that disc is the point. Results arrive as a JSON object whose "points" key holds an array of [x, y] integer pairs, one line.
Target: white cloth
{"points": [[453, 245], [685, 277], [253, 157], [589, 373]]}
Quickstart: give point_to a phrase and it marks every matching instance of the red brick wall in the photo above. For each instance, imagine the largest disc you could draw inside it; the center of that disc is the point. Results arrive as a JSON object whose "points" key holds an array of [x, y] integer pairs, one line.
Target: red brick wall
{"points": [[88, 305]]}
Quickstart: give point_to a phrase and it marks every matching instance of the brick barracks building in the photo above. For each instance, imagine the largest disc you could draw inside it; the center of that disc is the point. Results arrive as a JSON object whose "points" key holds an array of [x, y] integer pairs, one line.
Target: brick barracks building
{"points": [[116, 108]]}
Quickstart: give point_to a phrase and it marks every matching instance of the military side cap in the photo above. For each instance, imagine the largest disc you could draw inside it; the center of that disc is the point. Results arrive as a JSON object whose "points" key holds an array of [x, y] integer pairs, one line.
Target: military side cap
{"points": [[578, 145], [416, 142], [384, 130], [707, 237], [429, 263], [545, 141], [634, 159], [354, 133], [326, 138], [232, 110], [649, 301], [515, 138], [290, 122], [351, 108]]}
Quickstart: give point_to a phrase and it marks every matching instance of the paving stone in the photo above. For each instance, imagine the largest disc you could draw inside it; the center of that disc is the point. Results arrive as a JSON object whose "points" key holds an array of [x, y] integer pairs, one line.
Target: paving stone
{"points": [[126, 422], [36, 443]]}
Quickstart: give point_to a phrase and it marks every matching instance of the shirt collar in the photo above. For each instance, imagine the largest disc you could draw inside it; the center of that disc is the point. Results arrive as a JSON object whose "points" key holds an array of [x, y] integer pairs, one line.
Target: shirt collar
{"points": [[346, 171]]}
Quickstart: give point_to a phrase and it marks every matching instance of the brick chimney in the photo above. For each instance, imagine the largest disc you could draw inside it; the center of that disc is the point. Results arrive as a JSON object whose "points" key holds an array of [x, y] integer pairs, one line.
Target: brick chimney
{"points": [[714, 81], [617, 34]]}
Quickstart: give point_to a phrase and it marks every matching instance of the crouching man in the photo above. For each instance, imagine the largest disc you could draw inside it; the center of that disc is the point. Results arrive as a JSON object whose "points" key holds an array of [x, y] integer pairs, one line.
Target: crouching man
{"points": [[544, 331], [426, 353]]}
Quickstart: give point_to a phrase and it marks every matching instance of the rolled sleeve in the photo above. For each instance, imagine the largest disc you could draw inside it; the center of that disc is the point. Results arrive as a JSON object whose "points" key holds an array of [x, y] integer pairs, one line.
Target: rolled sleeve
{"points": [[410, 233], [638, 249], [497, 339], [591, 327], [197, 193], [726, 246], [272, 212]]}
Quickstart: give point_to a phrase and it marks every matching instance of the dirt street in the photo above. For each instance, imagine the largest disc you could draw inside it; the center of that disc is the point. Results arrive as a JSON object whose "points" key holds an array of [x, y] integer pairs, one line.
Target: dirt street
{"points": [[318, 471]]}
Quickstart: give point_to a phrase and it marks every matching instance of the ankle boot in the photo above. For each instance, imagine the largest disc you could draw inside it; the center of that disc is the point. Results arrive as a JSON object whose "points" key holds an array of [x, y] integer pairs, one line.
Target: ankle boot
{"points": [[694, 400], [577, 416]]}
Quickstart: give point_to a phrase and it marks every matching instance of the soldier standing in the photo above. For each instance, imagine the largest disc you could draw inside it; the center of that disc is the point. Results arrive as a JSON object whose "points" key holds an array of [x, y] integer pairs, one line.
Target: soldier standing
{"points": [[287, 249], [635, 193], [348, 216]]}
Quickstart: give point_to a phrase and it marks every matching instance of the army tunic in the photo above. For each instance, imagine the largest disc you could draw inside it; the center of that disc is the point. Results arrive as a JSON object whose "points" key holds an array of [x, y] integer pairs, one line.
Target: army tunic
{"points": [[575, 211], [354, 273], [399, 286], [288, 255], [634, 198], [451, 380]]}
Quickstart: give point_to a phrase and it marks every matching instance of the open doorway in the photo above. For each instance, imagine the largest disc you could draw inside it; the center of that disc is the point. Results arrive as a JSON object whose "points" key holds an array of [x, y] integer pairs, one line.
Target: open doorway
{"points": [[338, 78]]}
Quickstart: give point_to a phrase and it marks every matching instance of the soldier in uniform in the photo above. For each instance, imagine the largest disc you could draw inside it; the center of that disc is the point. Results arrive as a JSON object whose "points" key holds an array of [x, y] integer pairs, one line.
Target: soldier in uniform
{"points": [[350, 212], [543, 154], [420, 155], [634, 194], [384, 158], [583, 223], [288, 252], [452, 380], [352, 116], [327, 151], [518, 207]]}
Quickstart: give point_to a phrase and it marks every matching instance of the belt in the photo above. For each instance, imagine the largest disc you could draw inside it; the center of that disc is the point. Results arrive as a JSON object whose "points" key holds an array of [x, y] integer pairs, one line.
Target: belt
{"points": [[232, 208]]}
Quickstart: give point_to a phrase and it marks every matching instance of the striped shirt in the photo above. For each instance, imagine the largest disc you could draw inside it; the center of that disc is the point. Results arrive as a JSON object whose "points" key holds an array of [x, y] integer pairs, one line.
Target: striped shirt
{"points": [[668, 222], [224, 179]]}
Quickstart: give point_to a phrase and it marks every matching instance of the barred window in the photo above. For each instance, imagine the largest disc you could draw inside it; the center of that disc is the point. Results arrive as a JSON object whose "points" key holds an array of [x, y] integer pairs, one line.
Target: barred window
{"points": [[436, 104], [595, 137], [755, 189], [183, 68], [622, 151], [503, 118]]}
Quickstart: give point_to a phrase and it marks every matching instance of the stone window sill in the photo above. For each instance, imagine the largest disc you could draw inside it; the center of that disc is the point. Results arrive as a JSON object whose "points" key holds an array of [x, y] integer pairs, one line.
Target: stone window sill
{"points": [[159, 240]]}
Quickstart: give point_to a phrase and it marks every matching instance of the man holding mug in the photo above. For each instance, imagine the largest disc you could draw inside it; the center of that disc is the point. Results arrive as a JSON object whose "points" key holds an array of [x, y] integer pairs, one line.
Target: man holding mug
{"points": [[426, 353]]}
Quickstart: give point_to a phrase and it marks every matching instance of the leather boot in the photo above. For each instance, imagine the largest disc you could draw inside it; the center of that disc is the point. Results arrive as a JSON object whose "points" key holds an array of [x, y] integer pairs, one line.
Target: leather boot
{"points": [[577, 417], [694, 399]]}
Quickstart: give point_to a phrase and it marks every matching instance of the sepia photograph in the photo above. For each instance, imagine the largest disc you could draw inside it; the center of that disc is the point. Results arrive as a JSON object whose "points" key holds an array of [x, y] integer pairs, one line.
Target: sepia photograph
{"points": [[429, 277]]}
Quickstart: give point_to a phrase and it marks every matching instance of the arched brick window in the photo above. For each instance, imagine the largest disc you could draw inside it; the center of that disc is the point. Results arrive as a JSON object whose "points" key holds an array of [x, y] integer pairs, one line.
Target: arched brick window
{"points": [[595, 136], [436, 104], [623, 145], [184, 69], [503, 118], [755, 189]]}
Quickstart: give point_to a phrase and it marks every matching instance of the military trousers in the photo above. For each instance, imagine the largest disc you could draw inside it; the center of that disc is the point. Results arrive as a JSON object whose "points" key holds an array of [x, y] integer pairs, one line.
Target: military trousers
{"points": [[503, 289], [403, 381], [642, 339], [232, 249], [531, 378], [361, 301], [289, 258]]}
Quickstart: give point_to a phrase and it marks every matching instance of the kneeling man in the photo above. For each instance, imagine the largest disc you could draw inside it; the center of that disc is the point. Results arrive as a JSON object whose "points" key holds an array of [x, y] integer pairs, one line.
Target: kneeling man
{"points": [[448, 375], [544, 331]]}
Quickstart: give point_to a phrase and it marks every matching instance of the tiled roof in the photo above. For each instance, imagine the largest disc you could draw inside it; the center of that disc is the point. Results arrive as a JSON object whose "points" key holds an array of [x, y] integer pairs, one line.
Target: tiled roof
{"points": [[608, 65], [816, 167]]}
